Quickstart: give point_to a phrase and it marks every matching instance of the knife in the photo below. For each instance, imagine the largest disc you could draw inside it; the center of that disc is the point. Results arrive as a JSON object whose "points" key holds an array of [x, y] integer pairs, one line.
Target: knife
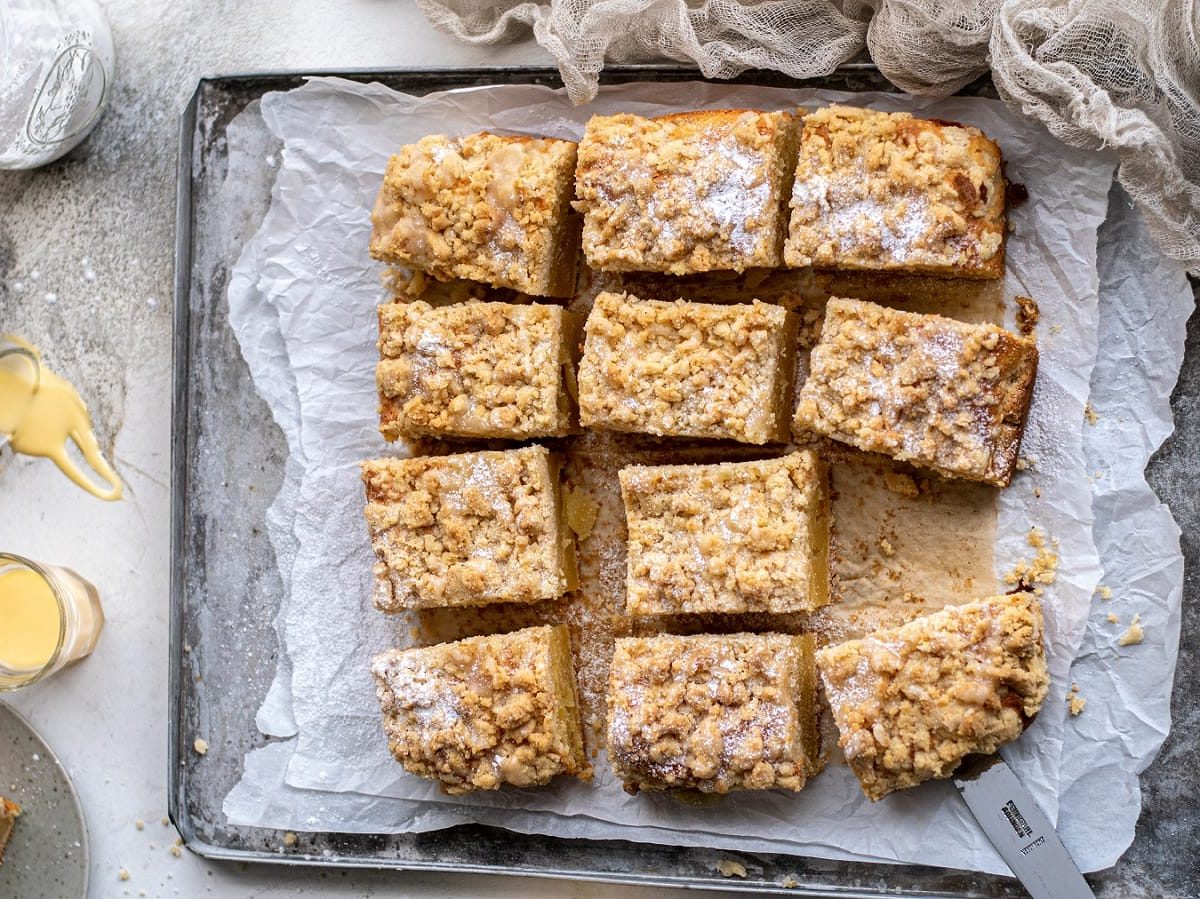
{"points": [[1021, 833]]}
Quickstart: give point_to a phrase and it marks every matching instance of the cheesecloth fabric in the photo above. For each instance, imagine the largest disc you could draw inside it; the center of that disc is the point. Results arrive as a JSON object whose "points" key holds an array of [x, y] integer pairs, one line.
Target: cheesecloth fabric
{"points": [[1121, 74]]}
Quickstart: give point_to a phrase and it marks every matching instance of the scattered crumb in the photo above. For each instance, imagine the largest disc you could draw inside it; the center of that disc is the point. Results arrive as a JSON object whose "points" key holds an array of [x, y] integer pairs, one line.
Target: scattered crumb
{"points": [[886, 547], [1024, 463], [187, 647], [175, 851], [139, 824], [1037, 492], [1075, 703], [1098, 475], [1056, 329], [1113, 619], [289, 839], [201, 746], [1090, 414], [1104, 592], [123, 874], [1044, 567], [901, 484], [580, 511], [1134, 634], [1027, 315], [165, 822], [789, 883], [727, 867]]}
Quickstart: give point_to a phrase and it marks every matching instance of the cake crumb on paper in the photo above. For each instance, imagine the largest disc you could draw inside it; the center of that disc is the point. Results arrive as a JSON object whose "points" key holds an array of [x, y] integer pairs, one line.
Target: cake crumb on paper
{"points": [[789, 882], [175, 851], [1043, 569], [1113, 619], [1025, 463], [1104, 592], [728, 867], [139, 824], [1028, 314], [201, 746], [165, 822], [1134, 634], [1075, 703], [289, 839], [1089, 414], [123, 874], [901, 484]]}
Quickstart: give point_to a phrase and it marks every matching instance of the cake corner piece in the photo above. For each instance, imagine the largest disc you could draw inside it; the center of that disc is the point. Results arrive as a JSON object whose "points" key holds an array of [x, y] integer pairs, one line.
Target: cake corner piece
{"points": [[484, 207], [911, 702], [885, 191], [484, 712]]}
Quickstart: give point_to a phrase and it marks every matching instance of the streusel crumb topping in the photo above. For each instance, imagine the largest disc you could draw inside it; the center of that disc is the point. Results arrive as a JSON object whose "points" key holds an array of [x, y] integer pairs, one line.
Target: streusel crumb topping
{"points": [[731, 537], [484, 711], [465, 529], [876, 190], [911, 702], [691, 192], [684, 369], [709, 713], [483, 207], [477, 369], [922, 388]]}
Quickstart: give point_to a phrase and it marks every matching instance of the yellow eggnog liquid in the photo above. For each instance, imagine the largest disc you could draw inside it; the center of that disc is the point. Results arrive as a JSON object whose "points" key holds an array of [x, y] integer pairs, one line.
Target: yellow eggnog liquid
{"points": [[29, 620], [41, 413]]}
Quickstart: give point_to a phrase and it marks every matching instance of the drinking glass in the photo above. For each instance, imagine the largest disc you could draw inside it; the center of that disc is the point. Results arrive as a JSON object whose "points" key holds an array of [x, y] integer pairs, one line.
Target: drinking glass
{"points": [[50, 618]]}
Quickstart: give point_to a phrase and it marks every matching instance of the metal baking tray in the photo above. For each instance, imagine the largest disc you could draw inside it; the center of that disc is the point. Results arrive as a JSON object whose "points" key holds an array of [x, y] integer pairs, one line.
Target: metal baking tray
{"points": [[227, 464]]}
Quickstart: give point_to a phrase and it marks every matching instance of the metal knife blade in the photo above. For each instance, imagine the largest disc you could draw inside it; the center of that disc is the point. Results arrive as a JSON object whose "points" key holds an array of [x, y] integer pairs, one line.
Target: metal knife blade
{"points": [[1021, 833]]}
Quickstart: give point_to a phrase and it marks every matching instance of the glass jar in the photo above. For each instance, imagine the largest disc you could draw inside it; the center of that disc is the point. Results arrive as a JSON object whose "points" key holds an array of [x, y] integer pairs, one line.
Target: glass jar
{"points": [[50, 618], [56, 70]]}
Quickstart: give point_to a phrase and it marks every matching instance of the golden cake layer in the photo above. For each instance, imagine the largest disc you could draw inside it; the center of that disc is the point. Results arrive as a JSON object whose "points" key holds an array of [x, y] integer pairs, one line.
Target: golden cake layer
{"points": [[885, 191], [485, 711], [911, 702]]}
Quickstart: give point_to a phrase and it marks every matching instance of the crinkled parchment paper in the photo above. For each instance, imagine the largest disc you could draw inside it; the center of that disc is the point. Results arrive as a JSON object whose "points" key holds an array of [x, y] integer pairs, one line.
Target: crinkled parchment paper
{"points": [[302, 301]]}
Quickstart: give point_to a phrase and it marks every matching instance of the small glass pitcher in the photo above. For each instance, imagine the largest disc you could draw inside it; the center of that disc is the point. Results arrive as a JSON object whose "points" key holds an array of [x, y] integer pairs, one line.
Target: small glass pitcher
{"points": [[20, 377]]}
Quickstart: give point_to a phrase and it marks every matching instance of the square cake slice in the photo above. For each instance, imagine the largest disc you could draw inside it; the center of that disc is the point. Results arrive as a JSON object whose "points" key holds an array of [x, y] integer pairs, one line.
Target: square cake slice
{"points": [[888, 192], [731, 537], [946, 395], [9, 812], [482, 207], [686, 369], [713, 713], [911, 702], [485, 711], [493, 370], [684, 193], [468, 529]]}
